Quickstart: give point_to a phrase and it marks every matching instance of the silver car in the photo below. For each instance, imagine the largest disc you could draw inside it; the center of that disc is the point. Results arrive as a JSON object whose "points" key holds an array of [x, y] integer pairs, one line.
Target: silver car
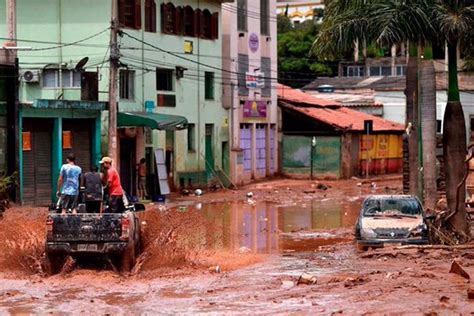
{"points": [[391, 219]]}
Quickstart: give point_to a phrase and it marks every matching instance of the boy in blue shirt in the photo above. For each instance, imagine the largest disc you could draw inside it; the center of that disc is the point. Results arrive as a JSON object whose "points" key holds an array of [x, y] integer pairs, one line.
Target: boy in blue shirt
{"points": [[68, 184]]}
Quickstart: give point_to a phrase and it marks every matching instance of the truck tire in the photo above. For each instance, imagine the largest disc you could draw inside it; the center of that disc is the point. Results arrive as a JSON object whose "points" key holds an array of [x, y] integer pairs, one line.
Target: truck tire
{"points": [[127, 260], [53, 264]]}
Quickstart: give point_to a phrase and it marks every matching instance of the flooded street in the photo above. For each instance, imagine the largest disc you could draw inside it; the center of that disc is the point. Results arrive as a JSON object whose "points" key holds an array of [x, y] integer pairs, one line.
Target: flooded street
{"points": [[262, 247]]}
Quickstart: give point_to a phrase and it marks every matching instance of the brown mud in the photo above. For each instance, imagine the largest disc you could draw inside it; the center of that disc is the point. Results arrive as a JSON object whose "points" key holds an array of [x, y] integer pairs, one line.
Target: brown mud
{"points": [[225, 253]]}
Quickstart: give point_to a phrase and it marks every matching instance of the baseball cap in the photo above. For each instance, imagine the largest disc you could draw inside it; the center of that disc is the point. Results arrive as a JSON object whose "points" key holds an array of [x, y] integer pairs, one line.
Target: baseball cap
{"points": [[105, 159]]}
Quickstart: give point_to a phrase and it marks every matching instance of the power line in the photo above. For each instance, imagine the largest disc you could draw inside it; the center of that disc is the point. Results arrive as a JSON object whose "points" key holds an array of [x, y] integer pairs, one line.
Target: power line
{"points": [[60, 45]]}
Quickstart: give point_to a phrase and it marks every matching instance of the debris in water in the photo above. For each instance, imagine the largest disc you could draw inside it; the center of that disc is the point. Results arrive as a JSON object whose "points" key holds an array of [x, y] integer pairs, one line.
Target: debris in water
{"points": [[215, 269], [306, 278], [249, 194], [309, 191], [456, 268], [198, 192], [373, 185], [359, 184], [285, 284]]}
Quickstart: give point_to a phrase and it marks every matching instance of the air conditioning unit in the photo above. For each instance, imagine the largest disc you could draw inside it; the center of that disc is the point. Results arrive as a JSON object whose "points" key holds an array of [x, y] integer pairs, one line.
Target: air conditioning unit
{"points": [[30, 76]]}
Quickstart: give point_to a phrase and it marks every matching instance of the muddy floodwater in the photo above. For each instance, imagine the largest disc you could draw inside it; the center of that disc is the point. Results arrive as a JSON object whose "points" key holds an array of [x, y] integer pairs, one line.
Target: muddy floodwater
{"points": [[270, 228], [261, 249]]}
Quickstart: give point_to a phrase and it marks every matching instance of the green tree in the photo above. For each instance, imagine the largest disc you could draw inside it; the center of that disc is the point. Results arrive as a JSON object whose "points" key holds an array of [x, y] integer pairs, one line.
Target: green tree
{"points": [[295, 65], [283, 24]]}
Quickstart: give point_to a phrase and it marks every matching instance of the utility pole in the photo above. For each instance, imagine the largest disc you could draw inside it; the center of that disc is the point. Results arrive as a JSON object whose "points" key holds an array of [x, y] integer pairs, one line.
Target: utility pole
{"points": [[113, 74], [11, 57]]}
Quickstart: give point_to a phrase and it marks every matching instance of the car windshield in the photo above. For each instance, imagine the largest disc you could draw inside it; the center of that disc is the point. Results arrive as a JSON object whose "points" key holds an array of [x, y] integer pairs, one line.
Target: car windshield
{"points": [[392, 206]]}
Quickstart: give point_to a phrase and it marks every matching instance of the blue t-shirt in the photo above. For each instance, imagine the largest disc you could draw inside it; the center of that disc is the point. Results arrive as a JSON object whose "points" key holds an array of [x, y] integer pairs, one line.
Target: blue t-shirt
{"points": [[70, 174]]}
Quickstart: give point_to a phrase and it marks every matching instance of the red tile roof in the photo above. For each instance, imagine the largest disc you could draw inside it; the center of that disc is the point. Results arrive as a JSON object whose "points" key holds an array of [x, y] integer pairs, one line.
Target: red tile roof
{"points": [[293, 96], [346, 119]]}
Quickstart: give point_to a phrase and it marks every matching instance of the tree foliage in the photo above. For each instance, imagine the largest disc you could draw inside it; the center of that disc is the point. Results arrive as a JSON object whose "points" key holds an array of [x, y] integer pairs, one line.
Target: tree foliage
{"points": [[296, 65]]}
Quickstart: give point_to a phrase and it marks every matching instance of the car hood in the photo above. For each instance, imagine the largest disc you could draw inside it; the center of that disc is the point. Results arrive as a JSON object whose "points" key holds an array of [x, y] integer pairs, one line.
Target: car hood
{"points": [[391, 222]]}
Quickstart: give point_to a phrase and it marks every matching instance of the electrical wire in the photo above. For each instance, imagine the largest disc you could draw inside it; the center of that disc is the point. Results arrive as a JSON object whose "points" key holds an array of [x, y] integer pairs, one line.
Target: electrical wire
{"points": [[60, 45]]}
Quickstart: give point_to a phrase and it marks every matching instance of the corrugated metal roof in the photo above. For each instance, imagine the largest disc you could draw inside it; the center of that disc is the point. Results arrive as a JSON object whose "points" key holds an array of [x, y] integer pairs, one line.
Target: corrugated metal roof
{"points": [[345, 119]]}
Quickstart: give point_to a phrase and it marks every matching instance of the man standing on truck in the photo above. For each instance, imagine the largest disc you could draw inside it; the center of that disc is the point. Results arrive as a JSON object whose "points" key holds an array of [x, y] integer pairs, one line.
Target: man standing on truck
{"points": [[68, 184], [111, 179], [92, 183]]}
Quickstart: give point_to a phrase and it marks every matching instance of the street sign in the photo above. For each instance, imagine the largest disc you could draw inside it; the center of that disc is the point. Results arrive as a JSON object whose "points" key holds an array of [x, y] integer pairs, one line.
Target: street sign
{"points": [[368, 127]]}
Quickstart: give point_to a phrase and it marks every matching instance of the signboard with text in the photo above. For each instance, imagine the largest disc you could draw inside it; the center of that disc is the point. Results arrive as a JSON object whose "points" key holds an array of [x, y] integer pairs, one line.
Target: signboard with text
{"points": [[254, 80], [255, 109]]}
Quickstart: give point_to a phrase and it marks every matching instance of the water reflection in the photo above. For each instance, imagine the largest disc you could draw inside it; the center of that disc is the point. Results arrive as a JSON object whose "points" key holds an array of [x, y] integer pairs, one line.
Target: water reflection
{"points": [[267, 227]]}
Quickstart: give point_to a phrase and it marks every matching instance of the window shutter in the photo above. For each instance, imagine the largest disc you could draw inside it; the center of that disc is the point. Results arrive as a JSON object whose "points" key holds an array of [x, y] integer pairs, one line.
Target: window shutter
{"points": [[179, 20], [163, 17], [138, 14], [215, 25], [153, 16], [243, 67], [197, 23], [121, 12], [147, 16]]}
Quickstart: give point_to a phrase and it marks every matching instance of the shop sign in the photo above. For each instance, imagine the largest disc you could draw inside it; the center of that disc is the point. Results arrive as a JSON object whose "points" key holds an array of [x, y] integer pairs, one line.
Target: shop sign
{"points": [[254, 80], [255, 109], [253, 42]]}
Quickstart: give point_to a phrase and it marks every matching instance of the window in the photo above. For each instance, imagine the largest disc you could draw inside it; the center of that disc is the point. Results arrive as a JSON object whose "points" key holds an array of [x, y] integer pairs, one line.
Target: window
{"points": [[206, 24], [164, 79], [150, 16], [401, 70], [374, 71], [166, 100], [188, 22], [191, 137], [188, 18], [69, 78], [355, 71], [264, 17], [242, 15], [127, 85], [266, 66], [386, 71], [243, 66], [209, 85], [129, 13], [168, 18]]}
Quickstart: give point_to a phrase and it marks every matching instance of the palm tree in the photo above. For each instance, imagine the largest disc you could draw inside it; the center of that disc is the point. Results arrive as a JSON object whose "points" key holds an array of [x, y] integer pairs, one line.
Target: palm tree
{"points": [[419, 22], [385, 23], [454, 21]]}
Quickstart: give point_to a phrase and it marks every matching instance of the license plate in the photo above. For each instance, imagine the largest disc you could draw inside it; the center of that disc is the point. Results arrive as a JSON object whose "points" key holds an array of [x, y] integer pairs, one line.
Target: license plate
{"points": [[87, 247]]}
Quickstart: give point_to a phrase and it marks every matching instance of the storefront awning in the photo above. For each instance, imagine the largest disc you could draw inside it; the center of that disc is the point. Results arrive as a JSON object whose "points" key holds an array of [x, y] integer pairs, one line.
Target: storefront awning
{"points": [[151, 120]]}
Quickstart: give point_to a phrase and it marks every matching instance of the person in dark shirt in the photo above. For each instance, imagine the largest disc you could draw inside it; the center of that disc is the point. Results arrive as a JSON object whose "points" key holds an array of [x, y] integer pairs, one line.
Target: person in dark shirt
{"points": [[93, 190], [141, 171]]}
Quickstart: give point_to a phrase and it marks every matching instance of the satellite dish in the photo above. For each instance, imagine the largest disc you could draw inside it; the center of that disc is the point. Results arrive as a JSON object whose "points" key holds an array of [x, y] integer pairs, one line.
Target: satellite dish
{"points": [[80, 65]]}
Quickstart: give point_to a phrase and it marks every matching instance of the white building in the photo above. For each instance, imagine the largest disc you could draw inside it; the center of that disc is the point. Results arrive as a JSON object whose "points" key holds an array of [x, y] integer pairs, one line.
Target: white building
{"points": [[301, 10], [249, 82]]}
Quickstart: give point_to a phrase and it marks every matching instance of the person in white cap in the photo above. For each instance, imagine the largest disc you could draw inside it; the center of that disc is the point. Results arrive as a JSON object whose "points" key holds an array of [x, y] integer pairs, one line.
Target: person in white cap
{"points": [[112, 181]]}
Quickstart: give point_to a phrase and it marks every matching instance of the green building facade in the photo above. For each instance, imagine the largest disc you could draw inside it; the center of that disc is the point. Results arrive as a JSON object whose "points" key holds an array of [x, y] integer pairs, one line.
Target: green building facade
{"points": [[170, 63]]}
